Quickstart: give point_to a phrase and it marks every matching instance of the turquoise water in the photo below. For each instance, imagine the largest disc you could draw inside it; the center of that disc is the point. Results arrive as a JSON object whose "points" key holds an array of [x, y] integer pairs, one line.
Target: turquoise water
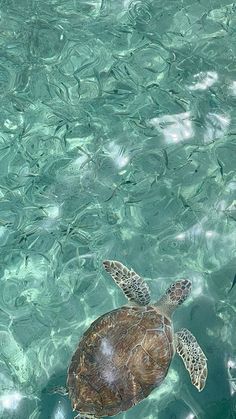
{"points": [[117, 141]]}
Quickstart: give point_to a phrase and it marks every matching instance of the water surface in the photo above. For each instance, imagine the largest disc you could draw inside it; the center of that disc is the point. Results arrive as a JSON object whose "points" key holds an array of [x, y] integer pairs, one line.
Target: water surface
{"points": [[117, 141]]}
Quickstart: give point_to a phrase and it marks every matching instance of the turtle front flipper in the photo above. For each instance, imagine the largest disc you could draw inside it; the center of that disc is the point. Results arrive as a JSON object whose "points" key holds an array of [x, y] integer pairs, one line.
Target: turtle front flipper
{"points": [[193, 357], [133, 286], [85, 416]]}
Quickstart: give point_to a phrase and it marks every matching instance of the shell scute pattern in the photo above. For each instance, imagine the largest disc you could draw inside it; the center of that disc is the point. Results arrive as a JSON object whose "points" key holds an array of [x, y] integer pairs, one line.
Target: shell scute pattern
{"points": [[120, 359]]}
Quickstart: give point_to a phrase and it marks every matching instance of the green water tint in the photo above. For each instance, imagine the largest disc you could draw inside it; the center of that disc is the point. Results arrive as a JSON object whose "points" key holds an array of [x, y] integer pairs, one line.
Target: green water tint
{"points": [[117, 141]]}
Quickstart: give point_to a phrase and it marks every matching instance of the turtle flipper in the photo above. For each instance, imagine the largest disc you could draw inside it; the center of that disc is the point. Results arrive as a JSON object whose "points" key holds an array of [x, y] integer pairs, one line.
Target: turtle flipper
{"points": [[85, 416], [193, 357], [133, 286], [175, 295]]}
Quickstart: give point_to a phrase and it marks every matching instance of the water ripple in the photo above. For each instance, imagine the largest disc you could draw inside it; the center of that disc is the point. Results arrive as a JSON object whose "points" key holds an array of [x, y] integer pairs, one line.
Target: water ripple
{"points": [[117, 140]]}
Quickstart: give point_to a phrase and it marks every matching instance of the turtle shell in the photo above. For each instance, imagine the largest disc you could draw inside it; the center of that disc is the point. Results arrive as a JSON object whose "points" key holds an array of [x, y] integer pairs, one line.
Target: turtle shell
{"points": [[120, 359]]}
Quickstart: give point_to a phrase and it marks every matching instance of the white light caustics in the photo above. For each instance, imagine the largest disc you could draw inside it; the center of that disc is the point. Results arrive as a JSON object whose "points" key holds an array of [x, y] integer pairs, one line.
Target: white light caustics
{"points": [[10, 401], [232, 88], [190, 416], [204, 80], [216, 126], [231, 367], [117, 154], [175, 128], [195, 231], [106, 348], [59, 412]]}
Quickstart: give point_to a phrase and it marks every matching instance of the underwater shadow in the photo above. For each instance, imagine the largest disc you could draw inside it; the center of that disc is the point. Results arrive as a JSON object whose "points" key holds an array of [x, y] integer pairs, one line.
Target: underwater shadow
{"points": [[53, 404]]}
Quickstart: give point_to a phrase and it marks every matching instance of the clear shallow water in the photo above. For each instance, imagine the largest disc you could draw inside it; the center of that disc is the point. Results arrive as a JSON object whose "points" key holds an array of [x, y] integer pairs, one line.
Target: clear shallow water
{"points": [[117, 141]]}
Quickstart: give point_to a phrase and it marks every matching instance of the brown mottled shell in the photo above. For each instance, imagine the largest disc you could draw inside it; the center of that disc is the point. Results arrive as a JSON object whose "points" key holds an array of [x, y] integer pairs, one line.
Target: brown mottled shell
{"points": [[120, 359]]}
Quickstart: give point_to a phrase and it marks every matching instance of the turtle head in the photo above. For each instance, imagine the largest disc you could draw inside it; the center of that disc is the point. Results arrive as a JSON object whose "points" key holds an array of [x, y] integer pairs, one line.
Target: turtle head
{"points": [[175, 295]]}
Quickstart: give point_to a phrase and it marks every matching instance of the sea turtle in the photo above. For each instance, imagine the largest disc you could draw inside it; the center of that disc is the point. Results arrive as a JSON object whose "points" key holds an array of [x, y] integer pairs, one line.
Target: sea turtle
{"points": [[126, 353]]}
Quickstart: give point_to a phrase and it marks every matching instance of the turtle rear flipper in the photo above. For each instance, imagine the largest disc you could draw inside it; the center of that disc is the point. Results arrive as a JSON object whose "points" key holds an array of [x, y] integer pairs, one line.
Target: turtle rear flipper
{"points": [[85, 416], [193, 357], [133, 286], [59, 390]]}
